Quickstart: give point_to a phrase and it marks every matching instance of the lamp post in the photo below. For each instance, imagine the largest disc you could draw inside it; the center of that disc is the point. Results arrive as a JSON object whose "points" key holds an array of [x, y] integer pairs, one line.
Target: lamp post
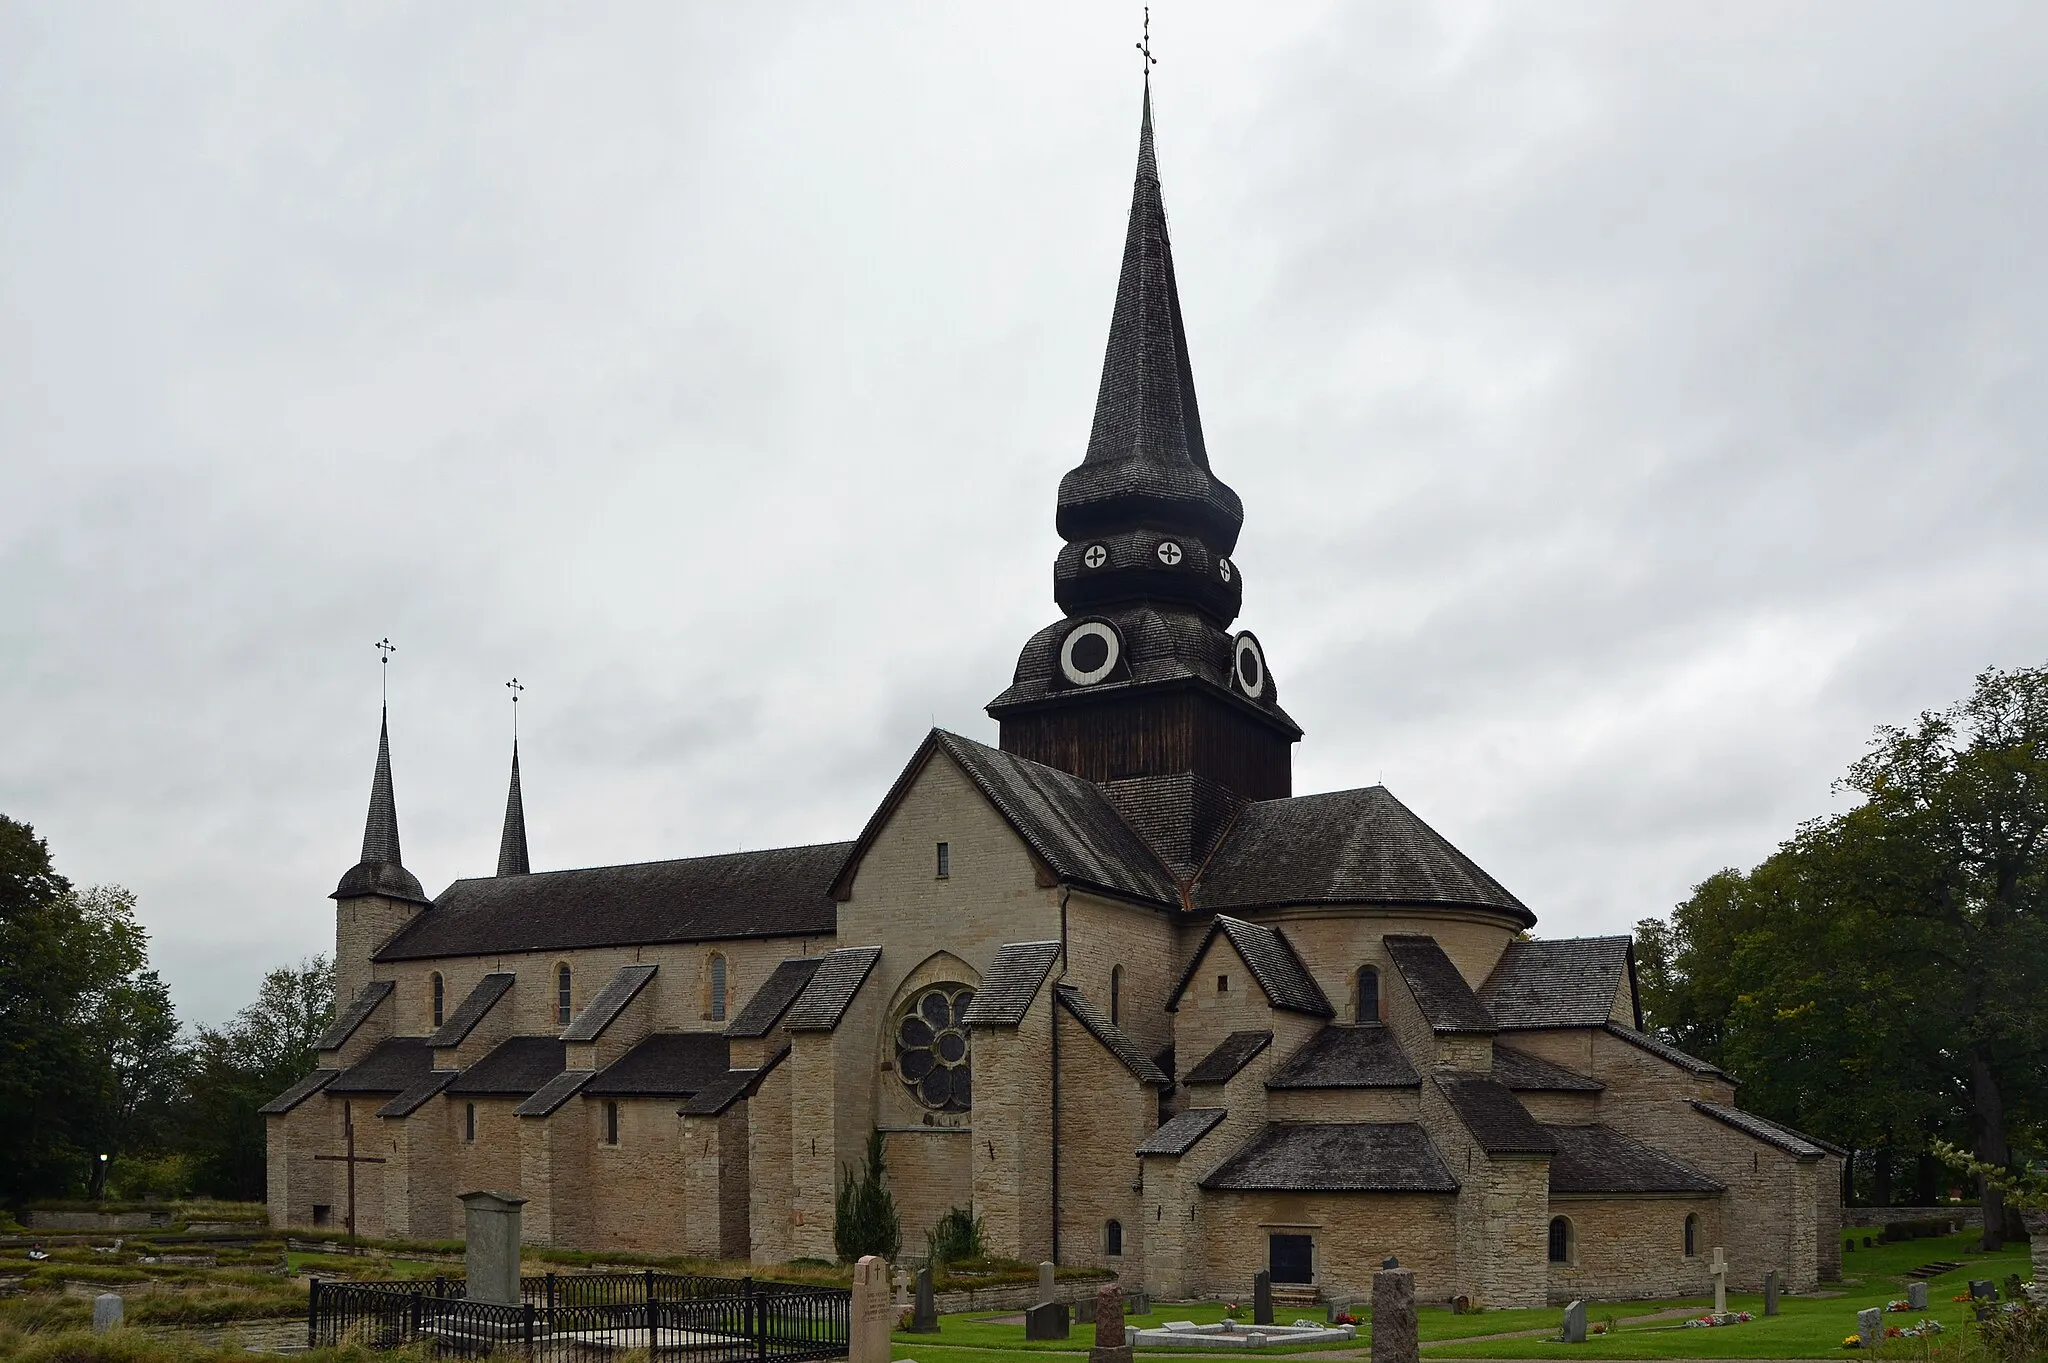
{"points": [[100, 1178]]}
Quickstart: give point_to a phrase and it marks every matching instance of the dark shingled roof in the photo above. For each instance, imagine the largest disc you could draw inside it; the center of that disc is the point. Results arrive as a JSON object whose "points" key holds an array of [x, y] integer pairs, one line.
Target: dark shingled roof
{"points": [[1232, 1054], [606, 1005], [298, 1093], [355, 1015], [1566, 983], [1664, 1050], [1272, 960], [393, 1065], [780, 892], [1345, 847], [1446, 1001], [1182, 1131], [831, 989], [1526, 1073], [460, 1023], [1111, 1036], [1770, 1132], [665, 1065], [410, 1101], [519, 1066], [1011, 983], [512, 858], [1336, 1157], [721, 1093], [1499, 1122], [382, 869], [1599, 1159], [554, 1093], [773, 998], [1068, 823], [1347, 1058]]}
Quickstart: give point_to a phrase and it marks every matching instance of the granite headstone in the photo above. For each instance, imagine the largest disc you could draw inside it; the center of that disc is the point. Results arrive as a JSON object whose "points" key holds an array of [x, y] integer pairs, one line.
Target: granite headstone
{"points": [[924, 1310], [1047, 1320], [107, 1312], [1771, 1292], [1110, 1345], [1262, 1298], [1870, 1327], [1575, 1323], [1394, 1337], [1916, 1295]]}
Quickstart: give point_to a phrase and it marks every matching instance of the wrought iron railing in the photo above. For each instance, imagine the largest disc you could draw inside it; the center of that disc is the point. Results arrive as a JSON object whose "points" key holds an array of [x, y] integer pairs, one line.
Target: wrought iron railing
{"points": [[565, 1316]]}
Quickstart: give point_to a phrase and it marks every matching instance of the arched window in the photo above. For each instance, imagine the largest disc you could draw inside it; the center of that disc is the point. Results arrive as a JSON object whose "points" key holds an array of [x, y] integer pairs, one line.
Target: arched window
{"points": [[1560, 1240], [440, 998], [564, 1010], [1368, 994], [1116, 1000], [1692, 1236], [716, 985], [1113, 1238]]}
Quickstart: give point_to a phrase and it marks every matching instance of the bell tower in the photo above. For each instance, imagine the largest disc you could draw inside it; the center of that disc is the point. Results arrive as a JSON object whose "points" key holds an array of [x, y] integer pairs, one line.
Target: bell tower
{"points": [[1142, 680]]}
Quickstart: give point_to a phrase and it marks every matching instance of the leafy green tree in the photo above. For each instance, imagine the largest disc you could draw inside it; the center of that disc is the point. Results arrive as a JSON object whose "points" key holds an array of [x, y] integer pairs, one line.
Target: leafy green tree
{"points": [[263, 1050], [38, 1051]]}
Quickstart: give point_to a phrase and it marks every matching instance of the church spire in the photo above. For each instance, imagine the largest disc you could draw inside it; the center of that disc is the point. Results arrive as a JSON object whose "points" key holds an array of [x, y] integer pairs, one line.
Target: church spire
{"points": [[512, 843], [382, 870]]}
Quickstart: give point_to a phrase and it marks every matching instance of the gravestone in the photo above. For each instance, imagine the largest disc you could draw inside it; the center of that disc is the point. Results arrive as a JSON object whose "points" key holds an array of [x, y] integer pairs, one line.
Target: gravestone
{"points": [[924, 1315], [1047, 1320], [1045, 1285], [1141, 1303], [490, 1254], [872, 1315], [900, 1282], [1771, 1292], [1916, 1295], [1110, 1346], [1720, 1271], [1983, 1289], [1394, 1338], [107, 1312], [1575, 1323], [1870, 1327], [1262, 1298]]}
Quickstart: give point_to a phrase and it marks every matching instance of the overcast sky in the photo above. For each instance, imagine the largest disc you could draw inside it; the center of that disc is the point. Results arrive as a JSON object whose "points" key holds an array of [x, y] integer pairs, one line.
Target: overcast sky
{"points": [[1632, 406]]}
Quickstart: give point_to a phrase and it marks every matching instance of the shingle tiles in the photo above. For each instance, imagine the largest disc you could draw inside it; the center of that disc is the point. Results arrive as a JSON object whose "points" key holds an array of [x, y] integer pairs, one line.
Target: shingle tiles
{"points": [[414, 1098], [1012, 982], [1664, 1050], [606, 1005], [1337, 1157], [774, 997], [298, 1093], [721, 1093], [1232, 1054], [1111, 1036], [664, 1065], [460, 1023], [1599, 1159], [831, 989], [1570, 982], [1272, 960], [554, 1093], [1770, 1132], [1446, 1001], [1525, 1073], [355, 1014], [1347, 1058], [518, 1066], [1496, 1119], [393, 1065], [1181, 1132]]}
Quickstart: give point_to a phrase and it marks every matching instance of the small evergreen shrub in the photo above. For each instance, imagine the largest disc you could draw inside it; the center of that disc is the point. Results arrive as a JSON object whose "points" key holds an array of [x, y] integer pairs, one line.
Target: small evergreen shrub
{"points": [[864, 1219], [955, 1239]]}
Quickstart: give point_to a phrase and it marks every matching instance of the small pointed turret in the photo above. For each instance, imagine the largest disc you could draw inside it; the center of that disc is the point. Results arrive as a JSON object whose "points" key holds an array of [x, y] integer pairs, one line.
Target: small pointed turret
{"points": [[512, 844], [382, 870]]}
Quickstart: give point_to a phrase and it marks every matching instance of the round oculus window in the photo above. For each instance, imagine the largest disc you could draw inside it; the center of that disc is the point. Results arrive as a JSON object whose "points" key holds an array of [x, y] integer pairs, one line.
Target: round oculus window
{"points": [[1090, 653], [1223, 568], [1170, 553], [933, 1057], [1250, 666], [1095, 555]]}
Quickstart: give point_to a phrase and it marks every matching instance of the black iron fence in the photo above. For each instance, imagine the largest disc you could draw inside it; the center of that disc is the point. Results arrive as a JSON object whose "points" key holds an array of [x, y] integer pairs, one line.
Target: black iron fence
{"points": [[569, 1318]]}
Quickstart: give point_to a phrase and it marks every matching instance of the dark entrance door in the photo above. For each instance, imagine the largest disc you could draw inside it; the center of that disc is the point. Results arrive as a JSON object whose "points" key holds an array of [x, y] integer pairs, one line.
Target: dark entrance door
{"points": [[1291, 1258]]}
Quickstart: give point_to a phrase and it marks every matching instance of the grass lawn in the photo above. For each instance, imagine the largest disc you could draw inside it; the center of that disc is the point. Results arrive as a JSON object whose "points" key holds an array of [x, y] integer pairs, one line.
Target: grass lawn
{"points": [[1806, 1327]]}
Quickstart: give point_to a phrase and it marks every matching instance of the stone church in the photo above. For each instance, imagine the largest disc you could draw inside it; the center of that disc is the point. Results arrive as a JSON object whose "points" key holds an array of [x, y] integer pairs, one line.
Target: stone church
{"points": [[1111, 984]]}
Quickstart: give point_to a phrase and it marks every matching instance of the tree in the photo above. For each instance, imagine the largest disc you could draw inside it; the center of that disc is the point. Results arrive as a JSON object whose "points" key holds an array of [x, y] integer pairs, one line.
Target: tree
{"points": [[266, 1048], [864, 1219], [36, 988], [1876, 979], [128, 1030]]}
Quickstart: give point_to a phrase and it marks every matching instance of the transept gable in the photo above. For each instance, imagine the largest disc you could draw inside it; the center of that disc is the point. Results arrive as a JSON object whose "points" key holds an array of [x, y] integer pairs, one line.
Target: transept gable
{"points": [[1268, 958]]}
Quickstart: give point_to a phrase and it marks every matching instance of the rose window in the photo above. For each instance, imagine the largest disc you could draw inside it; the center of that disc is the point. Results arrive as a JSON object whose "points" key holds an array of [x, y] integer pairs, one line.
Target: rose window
{"points": [[931, 1048]]}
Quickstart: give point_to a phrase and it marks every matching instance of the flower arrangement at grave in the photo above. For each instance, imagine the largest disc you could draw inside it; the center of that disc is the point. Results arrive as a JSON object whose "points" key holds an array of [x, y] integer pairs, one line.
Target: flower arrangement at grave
{"points": [[1852, 1341], [1962, 1297], [1344, 1318], [1231, 1310], [1710, 1320], [1900, 1305]]}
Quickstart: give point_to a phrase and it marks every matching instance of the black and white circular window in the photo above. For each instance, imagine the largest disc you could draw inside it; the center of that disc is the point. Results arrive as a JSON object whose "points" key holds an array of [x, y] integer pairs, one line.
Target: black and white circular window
{"points": [[1223, 569], [1095, 555], [1090, 652], [1170, 553], [932, 1055], [1249, 666]]}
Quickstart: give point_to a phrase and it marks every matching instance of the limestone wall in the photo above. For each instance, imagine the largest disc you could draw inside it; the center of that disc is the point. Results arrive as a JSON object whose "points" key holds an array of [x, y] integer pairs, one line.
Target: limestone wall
{"points": [[1335, 940], [1353, 1232], [1105, 1112], [1623, 1248]]}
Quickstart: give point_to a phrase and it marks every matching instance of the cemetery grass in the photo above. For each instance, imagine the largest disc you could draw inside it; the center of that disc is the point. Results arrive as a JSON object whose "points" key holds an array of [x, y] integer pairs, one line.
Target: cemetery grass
{"points": [[975, 1330]]}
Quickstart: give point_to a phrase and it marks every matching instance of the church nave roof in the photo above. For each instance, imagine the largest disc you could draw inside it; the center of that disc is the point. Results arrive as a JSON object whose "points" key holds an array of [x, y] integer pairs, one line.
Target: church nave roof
{"points": [[1336, 1157]]}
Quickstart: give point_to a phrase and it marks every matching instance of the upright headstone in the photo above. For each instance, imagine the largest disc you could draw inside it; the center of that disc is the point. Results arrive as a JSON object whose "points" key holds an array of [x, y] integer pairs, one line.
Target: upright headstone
{"points": [[1870, 1327], [1047, 1320], [1916, 1295], [1575, 1323], [1720, 1271], [1262, 1298], [490, 1239], [107, 1312], [1109, 1326], [924, 1316], [1771, 1292], [899, 1281], [1983, 1289], [1141, 1303], [1045, 1282], [872, 1313], [1394, 1337]]}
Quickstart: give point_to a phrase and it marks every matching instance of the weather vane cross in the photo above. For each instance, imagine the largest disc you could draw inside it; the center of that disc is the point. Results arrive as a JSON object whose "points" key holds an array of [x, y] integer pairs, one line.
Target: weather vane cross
{"points": [[1145, 47], [515, 688], [385, 648]]}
